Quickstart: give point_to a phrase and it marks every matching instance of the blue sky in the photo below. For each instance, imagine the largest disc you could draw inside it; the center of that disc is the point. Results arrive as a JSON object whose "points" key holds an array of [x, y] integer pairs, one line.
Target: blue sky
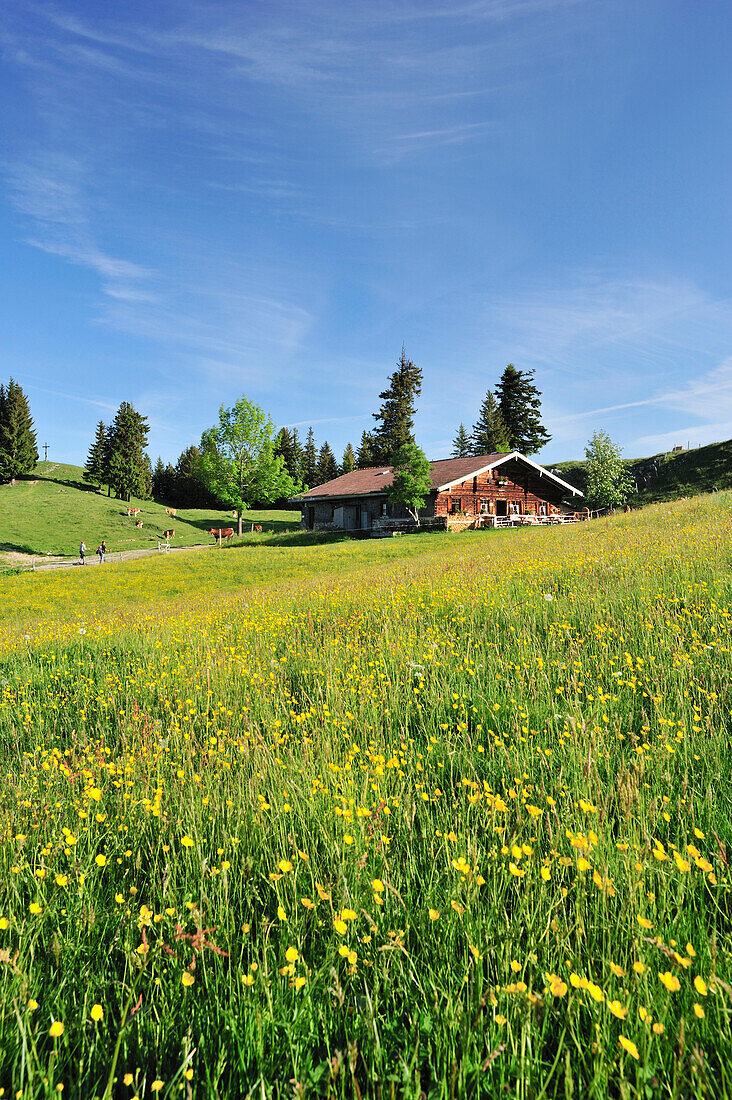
{"points": [[201, 200]]}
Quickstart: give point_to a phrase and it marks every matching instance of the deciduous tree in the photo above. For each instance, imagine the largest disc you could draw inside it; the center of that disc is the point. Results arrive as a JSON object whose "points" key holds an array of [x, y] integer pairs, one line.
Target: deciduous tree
{"points": [[412, 479], [238, 460], [608, 482]]}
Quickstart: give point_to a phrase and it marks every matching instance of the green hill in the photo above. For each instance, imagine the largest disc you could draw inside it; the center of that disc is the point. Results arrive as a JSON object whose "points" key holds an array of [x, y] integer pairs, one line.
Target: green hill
{"points": [[50, 511], [670, 474]]}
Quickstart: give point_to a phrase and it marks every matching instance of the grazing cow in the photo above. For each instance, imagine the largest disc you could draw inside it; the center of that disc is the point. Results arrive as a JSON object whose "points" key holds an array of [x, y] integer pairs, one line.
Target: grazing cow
{"points": [[168, 534], [170, 511], [133, 511], [221, 533], [257, 527], [139, 523]]}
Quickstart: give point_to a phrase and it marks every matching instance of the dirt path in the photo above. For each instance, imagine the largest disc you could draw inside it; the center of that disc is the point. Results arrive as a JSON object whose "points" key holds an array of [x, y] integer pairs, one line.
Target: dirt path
{"points": [[42, 565]]}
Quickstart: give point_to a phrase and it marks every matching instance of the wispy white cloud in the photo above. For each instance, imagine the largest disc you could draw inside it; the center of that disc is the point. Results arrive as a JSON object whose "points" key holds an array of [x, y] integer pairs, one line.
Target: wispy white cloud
{"points": [[96, 403]]}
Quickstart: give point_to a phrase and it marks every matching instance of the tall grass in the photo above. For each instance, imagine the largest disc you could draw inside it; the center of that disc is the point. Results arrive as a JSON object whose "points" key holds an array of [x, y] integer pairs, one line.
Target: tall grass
{"points": [[450, 824]]}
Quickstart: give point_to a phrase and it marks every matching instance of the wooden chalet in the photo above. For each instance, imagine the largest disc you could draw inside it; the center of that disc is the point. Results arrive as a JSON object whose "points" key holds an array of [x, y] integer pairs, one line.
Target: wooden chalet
{"points": [[466, 492]]}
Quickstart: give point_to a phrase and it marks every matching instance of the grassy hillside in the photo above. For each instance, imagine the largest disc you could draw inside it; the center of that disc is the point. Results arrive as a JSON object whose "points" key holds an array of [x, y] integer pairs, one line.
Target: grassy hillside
{"points": [[437, 817], [667, 475], [52, 510]]}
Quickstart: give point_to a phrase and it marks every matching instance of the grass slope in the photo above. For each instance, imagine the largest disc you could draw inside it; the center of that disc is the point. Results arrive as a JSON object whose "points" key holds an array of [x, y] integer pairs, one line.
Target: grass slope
{"points": [[669, 475], [52, 510]]}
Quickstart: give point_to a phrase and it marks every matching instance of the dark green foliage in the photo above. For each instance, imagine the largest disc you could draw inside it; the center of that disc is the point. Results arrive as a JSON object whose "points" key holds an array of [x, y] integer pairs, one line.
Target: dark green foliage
{"points": [[327, 465], [365, 454], [349, 460], [18, 445], [309, 464], [490, 434], [461, 445], [412, 481], [94, 469], [128, 467], [288, 445], [395, 419], [520, 402]]}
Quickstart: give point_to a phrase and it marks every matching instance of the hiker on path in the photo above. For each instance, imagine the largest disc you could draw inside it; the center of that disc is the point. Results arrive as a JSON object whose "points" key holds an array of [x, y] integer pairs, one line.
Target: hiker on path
{"points": [[82, 552], [101, 550]]}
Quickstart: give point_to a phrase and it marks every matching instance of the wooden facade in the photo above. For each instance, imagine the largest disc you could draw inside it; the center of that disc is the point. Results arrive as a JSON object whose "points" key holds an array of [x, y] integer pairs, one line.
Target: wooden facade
{"points": [[463, 489]]}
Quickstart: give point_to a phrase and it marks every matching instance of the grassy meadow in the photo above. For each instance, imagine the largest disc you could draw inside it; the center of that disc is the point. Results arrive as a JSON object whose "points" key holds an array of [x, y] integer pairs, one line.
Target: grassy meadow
{"points": [[437, 817], [49, 512]]}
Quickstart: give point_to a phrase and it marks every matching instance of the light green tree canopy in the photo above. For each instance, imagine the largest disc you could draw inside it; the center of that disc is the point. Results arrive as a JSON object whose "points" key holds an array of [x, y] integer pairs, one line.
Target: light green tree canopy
{"points": [[238, 462], [412, 481], [608, 482]]}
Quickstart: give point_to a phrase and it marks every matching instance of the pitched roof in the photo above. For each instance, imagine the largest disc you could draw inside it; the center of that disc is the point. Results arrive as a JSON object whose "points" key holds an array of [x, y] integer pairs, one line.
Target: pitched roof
{"points": [[444, 472]]}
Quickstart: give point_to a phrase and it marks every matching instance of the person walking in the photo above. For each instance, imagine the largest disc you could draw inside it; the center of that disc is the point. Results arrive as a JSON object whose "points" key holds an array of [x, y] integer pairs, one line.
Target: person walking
{"points": [[82, 552], [100, 550]]}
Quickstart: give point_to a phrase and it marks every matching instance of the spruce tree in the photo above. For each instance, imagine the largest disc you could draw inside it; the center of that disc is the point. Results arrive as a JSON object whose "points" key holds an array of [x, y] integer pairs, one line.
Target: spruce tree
{"points": [[190, 492], [159, 481], [94, 468], [490, 435], [461, 446], [327, 465], [18, 446], [365, 454], [288, 445], [349, 460], [309, 465], [129, 469], [395, 418], [520, 402]]}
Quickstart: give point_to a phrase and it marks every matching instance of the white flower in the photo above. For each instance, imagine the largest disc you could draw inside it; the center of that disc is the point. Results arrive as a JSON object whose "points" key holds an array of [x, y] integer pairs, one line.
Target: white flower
{"points": [[548, 597]]}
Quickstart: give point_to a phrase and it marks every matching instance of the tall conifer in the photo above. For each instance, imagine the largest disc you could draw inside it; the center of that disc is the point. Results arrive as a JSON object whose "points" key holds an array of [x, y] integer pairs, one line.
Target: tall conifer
{"points": [[520, 402], [18, 445], [395, 419], [490, 435]]}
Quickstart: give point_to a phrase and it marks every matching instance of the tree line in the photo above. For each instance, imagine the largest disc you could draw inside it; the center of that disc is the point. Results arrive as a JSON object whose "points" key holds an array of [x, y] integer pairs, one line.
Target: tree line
{"points": [[243, 461]]}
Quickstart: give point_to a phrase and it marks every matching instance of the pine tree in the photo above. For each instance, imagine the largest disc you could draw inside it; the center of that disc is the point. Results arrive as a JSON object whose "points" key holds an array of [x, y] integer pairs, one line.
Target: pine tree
{"points": [[365, 454], [395, 418], [520, 402], [327, 465], [461, 446], [490, 435], [309, 466], [94, 468], [18, 445], [288, 445], [349, 460], [129, 469]]}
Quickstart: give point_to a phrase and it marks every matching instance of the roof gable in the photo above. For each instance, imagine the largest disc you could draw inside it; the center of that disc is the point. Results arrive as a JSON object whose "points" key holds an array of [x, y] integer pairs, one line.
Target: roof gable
{"points": [[444, 472]]}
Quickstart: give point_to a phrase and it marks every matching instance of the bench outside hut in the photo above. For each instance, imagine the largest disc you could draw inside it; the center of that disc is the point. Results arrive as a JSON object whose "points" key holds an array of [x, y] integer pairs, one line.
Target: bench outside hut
{"points": [[488, 490]]}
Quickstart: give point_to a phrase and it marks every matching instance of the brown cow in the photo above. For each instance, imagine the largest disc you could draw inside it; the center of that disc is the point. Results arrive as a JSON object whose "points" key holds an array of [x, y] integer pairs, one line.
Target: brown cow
{"points": [[257, 527], [139, 523], [220, 533], [168, 534], [170, 511], [133, 511]]}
